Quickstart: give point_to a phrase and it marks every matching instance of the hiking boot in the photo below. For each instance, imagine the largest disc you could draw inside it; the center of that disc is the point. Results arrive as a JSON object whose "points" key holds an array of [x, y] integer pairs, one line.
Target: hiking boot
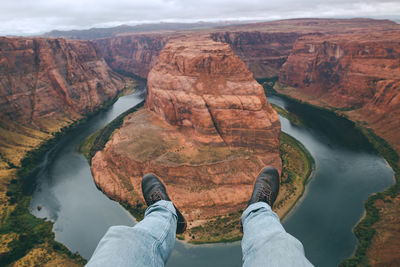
{"points": [[266, 187], [153, 191]]}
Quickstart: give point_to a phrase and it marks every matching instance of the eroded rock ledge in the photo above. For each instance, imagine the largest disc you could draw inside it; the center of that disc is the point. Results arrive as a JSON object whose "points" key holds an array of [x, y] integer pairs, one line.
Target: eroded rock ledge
{"points": [[206, 131]]}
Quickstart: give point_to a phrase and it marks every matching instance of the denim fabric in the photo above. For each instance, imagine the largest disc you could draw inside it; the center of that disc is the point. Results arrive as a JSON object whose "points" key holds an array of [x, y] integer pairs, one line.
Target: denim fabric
{"points": [[266, 243], [148, 243]]}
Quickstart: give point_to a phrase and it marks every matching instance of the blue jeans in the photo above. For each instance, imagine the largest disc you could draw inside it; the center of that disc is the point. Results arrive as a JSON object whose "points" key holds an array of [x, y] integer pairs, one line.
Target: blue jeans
{"points": [[151, 241]]}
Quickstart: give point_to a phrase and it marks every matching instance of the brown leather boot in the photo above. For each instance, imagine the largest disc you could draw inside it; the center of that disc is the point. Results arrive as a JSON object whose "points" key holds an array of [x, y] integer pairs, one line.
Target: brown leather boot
{"points": [[153, 191], [266, 187]]}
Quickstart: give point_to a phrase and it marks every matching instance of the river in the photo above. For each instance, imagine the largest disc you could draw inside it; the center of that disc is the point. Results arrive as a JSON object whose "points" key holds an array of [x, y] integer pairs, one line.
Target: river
{"points": [[347, 172]]}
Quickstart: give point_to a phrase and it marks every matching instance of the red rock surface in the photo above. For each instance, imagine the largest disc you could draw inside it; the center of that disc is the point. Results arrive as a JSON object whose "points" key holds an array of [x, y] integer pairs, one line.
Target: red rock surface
{"points": [[263, 52], [206, 131], [204, 86], [52, 78], [46, 84], [264, 46], [358, 72], [135, 53]]}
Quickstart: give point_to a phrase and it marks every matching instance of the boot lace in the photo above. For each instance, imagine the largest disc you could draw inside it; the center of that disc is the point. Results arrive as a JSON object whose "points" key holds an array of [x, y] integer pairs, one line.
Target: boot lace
{"points": [[265, 193], [155, 196]]}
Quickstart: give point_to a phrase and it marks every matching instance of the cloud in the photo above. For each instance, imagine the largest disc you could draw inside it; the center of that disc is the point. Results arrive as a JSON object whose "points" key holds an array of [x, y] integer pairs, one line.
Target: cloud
{"points": [[31, 17]]}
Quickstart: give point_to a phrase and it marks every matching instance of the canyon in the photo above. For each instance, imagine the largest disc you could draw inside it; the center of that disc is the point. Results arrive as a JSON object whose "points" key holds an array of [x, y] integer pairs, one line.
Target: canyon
{"points": [[264, 47], [348, 66], [351, 66], [46, 85], [207, 129], [357, 76]]}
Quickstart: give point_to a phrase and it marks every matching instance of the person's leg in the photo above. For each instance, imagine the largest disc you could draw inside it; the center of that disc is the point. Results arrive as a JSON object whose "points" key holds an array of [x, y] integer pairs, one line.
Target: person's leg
{"points": [[148, 243], [265, 241]]}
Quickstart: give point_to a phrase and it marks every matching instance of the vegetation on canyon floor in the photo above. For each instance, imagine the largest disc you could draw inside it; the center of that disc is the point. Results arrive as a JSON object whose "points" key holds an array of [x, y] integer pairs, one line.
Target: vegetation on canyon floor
{"points": [[288, 115], [98, 140], [28, 232], [365, 230]]}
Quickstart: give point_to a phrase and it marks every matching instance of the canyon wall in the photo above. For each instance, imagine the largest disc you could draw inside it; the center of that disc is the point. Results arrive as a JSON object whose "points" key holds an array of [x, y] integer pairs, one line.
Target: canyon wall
{"points": [[206, 131], [45, 84], [134, 54], [263, 46], [263, 52], [51, 77], [357, 73]]}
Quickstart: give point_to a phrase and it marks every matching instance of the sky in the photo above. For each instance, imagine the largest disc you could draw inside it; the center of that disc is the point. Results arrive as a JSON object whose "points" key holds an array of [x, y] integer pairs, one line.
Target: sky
{"points": [[25, 17]]}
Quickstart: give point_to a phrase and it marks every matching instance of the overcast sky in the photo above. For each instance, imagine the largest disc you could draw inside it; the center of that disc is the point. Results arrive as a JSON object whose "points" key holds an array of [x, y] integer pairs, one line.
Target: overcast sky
{"points": [[20, 17]]}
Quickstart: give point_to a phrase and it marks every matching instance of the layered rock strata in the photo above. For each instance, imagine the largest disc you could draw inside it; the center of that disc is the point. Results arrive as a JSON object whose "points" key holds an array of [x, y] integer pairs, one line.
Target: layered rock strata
{"points": [[45, 84], [264, 46], [206, 131], [357, 73], [263, 52], [135, 54]]}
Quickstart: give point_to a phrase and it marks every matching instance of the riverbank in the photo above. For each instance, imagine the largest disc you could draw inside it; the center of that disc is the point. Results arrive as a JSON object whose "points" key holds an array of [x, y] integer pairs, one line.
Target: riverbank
{"points": [[381, 217], [376, 230], [25, 239], [297, 168]]}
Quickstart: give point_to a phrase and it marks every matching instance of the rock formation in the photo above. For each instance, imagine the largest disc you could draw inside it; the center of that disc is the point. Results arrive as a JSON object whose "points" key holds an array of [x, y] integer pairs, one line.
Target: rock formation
{"points": [[45, 84], [264, 46], [134, 54], [51, 77], [263, 52], [206, 131], [359, 73]]}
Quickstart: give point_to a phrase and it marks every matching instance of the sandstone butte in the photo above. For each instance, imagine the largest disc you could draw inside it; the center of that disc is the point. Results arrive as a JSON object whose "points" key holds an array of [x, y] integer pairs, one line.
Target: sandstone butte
{"points": [[206, 131]]}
